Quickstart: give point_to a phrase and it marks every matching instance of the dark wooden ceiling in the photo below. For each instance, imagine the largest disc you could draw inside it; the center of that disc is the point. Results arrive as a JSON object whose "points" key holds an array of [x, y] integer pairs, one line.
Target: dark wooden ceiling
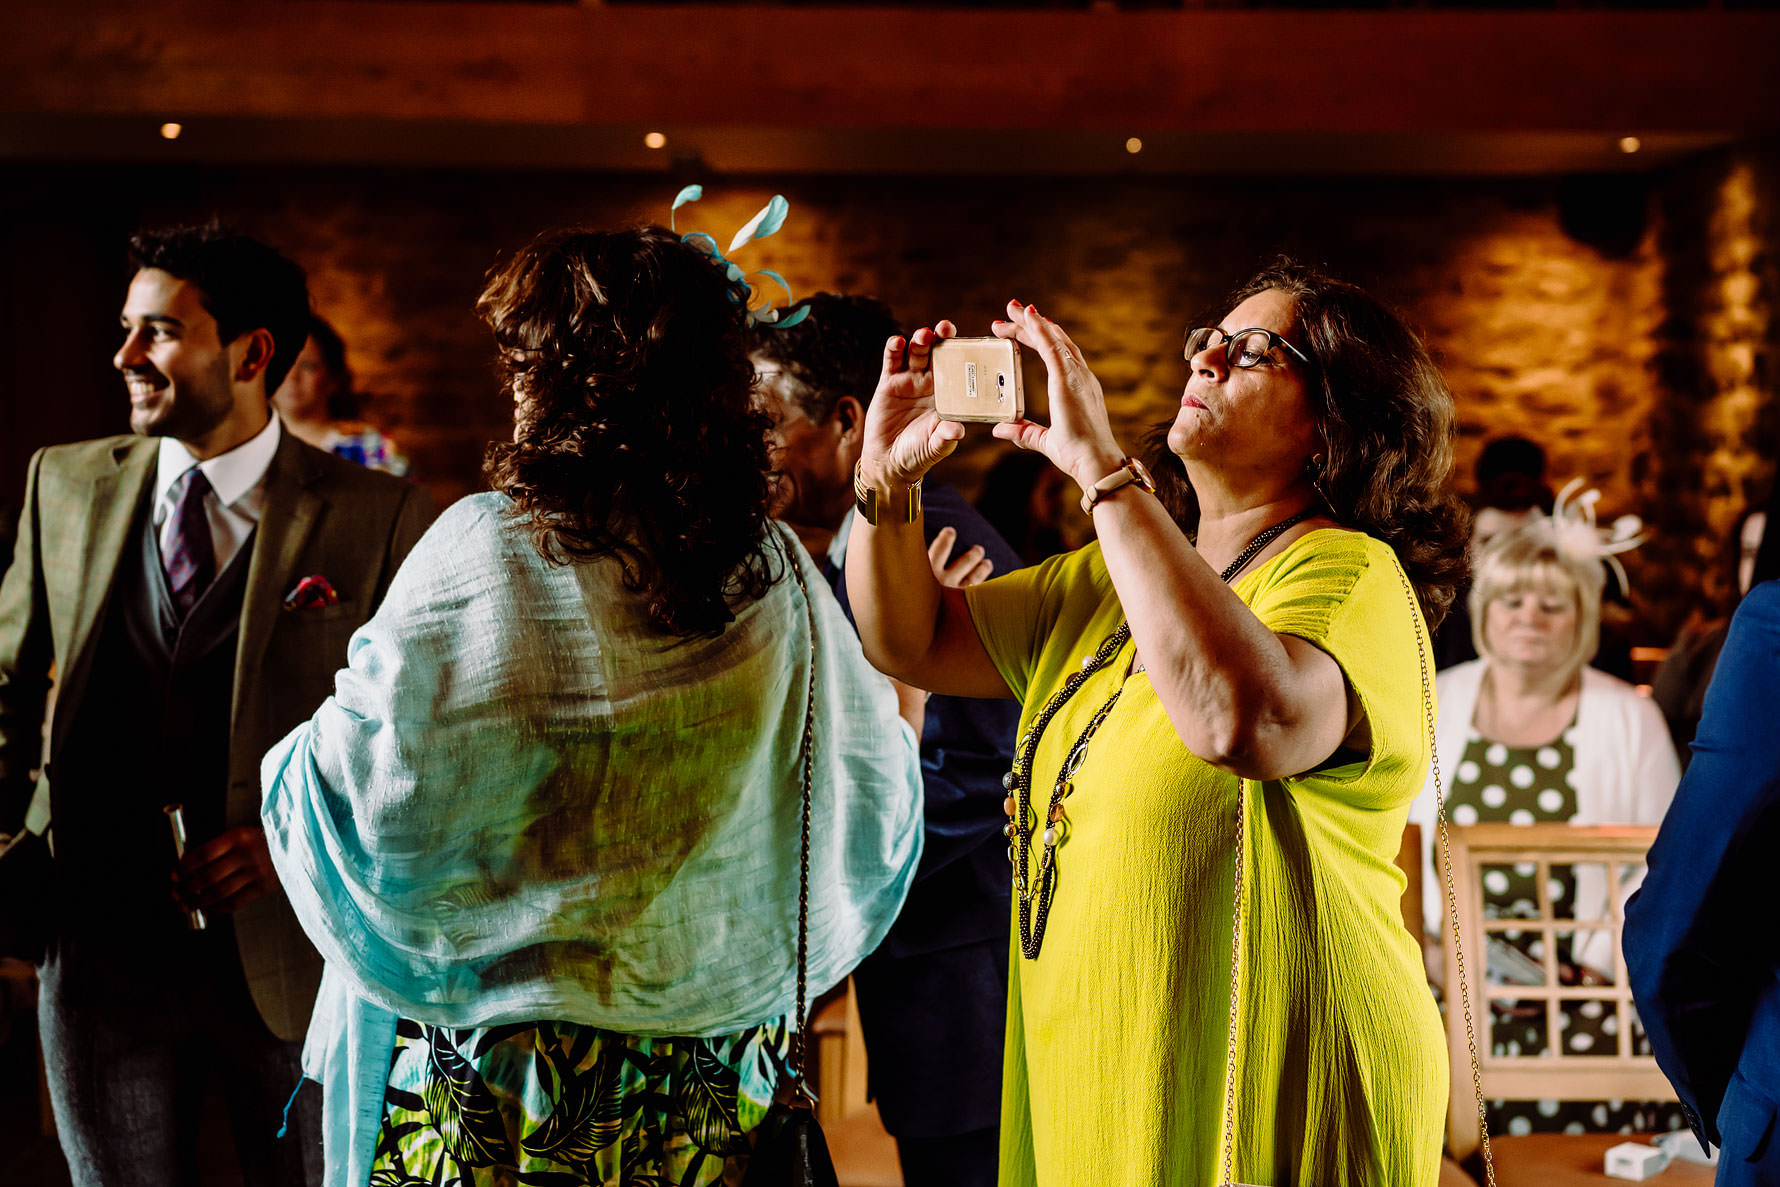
{"points": [[979, 88]]}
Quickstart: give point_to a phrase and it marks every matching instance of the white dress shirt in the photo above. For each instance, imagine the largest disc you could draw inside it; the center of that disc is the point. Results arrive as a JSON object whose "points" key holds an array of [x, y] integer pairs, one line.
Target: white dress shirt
{"points": [[237, 490]]}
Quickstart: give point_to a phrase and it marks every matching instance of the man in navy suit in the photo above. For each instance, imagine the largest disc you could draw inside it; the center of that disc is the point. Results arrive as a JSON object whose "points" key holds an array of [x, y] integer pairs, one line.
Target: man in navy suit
{"points": [[1701, 942], [933, 998]]}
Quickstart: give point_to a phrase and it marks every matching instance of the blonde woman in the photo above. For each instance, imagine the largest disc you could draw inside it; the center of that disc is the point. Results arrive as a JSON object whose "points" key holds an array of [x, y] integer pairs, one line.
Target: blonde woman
{"points": [[1529, 734]]}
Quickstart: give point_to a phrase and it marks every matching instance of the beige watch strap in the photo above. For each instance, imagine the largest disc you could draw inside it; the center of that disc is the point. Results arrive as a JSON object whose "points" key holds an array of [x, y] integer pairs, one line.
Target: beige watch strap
{"points": [[1131, 471]]}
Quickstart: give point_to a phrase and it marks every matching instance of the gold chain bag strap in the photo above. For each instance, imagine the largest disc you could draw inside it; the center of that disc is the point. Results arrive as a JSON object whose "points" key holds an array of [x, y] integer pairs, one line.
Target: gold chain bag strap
{"points": [[1452, 913], [789, 1149]]}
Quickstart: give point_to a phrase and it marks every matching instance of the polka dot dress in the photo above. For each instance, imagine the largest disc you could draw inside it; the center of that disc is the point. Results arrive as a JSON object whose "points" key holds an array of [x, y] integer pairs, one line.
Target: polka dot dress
{"points": [[1494, 783]]}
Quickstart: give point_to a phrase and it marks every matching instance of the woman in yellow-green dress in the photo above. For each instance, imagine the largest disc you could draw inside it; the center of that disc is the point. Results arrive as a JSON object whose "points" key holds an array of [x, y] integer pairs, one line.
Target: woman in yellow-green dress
{"points": [[1261, 626]]}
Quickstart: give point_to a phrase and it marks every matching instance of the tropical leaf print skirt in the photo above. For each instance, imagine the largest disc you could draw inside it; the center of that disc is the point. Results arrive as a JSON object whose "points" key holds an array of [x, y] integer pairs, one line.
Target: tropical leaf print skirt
{"points": [[559, 1105]]}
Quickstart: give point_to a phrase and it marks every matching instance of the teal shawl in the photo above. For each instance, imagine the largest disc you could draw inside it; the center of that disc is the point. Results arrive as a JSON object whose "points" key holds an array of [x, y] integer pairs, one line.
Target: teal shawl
{"points": [[522, 804]]}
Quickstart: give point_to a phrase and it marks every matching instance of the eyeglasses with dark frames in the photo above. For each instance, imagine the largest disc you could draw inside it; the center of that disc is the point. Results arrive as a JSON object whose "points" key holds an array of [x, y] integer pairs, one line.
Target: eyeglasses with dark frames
{"points": [[1242, 348]]}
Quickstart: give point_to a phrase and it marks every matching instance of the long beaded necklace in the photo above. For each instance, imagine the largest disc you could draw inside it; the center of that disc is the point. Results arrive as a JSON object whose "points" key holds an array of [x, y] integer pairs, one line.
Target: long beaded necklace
{"points": [[1035, 886]]}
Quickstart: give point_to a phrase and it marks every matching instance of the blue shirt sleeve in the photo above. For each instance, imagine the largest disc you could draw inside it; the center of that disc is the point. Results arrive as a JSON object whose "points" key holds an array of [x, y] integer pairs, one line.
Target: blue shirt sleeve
{"points": [[962, 886], [1702, 963]]}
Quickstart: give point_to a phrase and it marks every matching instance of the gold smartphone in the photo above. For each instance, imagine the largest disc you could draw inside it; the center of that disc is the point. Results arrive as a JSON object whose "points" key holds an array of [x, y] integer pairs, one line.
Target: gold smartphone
{"points": [[978, 379]]}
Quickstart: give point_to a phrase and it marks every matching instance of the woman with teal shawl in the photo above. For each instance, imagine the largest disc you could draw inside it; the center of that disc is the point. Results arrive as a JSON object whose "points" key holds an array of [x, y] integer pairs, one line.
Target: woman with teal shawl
{"points": [[546, 831]]}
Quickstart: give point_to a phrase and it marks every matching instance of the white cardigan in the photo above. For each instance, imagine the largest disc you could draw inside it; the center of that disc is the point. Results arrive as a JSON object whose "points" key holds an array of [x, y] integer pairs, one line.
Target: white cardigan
{"points": [[1625, 771]]}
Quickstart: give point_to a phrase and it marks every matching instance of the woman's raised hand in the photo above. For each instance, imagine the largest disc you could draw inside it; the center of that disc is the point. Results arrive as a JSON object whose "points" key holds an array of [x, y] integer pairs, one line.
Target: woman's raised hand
{"points": [[1079, 440], [904, 436]]}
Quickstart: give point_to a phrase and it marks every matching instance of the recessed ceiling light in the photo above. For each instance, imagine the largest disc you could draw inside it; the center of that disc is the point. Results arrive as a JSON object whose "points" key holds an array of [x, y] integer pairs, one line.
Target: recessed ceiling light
{"points": [[1134, 146], [171, 131], [1630, 144], [655, 140]]}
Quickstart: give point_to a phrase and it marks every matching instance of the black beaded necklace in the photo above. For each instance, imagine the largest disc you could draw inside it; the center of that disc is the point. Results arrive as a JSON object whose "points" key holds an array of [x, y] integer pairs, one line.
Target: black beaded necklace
{"points": [[1032, 886]]}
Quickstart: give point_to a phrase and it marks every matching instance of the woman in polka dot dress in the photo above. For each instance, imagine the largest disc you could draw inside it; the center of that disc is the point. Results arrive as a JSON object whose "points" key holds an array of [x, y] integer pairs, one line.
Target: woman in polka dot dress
{"points": [[1530, 735]]}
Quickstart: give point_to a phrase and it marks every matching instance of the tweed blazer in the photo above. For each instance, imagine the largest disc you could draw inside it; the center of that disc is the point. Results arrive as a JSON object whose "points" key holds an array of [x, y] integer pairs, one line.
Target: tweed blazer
{"points": [[322, 515]]}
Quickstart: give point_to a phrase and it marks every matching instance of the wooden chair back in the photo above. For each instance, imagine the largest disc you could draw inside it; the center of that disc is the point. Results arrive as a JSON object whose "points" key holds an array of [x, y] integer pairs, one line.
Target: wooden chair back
{"points": [[1612, 853]]}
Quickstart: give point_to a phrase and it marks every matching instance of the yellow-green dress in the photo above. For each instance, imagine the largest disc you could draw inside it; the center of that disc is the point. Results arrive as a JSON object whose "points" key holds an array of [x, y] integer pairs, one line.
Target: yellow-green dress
{"points": [[1116, 1033]]}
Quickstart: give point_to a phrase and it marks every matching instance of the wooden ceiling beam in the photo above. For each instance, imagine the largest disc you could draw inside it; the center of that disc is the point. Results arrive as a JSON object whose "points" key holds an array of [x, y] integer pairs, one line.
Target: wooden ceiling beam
{"points": [[1419, 71]]}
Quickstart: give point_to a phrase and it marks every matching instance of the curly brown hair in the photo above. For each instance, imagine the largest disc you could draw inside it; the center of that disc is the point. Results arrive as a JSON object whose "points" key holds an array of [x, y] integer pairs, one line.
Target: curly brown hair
{"points": [[636, 435], [1385, 416]]}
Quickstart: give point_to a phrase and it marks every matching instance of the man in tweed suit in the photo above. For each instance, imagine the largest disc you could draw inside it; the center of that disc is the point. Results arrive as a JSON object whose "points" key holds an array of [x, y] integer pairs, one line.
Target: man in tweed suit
{"points": [[193, 588]]}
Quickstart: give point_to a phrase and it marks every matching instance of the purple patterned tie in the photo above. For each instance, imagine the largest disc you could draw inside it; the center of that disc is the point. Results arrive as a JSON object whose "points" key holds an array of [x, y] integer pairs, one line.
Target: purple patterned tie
{"points": [[190, 558]]}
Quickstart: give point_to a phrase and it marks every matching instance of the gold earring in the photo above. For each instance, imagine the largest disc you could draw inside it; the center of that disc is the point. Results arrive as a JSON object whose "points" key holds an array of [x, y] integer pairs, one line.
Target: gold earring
{"points": [[1313, 469]]}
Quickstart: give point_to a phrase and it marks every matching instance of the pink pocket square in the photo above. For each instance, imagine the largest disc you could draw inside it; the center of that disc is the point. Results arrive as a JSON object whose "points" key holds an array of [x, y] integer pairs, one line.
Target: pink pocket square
{"points": [[311, 592]]}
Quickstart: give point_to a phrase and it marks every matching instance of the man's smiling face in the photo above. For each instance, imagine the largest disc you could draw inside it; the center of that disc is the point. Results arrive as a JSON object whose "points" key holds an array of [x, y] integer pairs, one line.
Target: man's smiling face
{"points": [[174, 365]]}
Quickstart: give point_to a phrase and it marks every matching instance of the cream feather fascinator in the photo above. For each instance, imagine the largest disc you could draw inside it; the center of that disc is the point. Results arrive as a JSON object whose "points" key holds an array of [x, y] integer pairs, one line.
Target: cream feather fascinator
{"points": [[1573, 531]]}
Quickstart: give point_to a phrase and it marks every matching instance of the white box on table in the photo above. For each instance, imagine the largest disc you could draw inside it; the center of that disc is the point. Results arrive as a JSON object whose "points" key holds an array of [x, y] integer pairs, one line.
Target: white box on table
{"points": [[1635, 1161]]}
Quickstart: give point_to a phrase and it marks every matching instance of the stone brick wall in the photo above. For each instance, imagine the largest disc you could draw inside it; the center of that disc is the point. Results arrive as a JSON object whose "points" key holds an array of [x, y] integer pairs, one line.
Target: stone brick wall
{"points": [[1647, 369], [1715, 427]]}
